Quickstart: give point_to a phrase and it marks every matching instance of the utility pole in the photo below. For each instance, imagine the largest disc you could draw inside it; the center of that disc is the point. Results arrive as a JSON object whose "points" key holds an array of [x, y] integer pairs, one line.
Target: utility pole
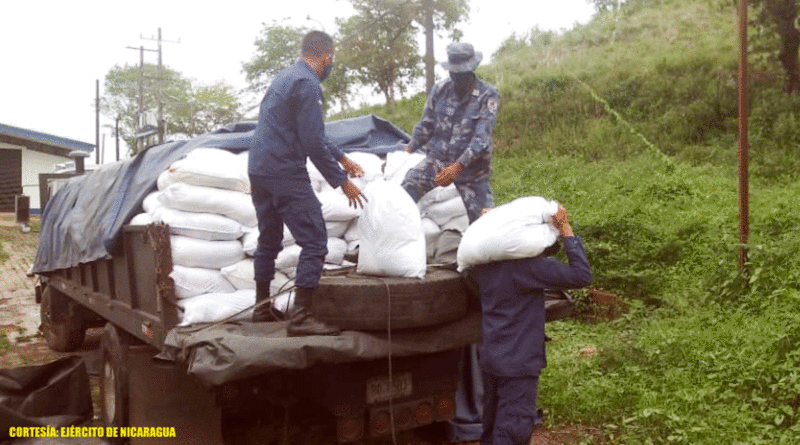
{"points": [[744, 110], [161, 122]]}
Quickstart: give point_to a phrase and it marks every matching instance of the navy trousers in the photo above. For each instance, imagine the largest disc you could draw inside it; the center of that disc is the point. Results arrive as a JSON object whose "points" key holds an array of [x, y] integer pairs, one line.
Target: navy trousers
{"points": [[291, 202], [509, 409]]}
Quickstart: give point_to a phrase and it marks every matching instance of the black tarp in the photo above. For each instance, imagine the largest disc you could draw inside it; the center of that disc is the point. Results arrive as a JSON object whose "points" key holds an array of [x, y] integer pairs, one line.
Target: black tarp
{"points": [[82, 221], [55, 394], [222, 353]]}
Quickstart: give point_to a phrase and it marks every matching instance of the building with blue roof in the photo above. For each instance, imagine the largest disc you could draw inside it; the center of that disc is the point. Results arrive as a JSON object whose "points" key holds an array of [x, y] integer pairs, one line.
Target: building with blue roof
{"points": [[24, 154]]}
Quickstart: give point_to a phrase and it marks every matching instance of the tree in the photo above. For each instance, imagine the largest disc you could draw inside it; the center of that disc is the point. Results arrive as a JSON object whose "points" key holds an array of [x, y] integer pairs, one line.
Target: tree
{"points": [[378, 47], [277, 47], [189, 110], [780, 17], [438, 15]]}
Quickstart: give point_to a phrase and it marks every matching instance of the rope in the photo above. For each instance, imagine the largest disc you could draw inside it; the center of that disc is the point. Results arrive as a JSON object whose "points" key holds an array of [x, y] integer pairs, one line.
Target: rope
{"points": [[607, 107]]}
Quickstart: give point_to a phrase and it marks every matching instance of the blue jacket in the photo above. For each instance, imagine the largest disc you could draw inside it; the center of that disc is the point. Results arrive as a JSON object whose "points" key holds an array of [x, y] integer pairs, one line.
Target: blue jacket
{"points": [[512, 302], [290, 129]]}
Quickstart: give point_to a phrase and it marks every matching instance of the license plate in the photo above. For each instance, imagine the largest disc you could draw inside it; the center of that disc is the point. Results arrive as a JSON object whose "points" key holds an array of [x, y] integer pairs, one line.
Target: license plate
{"points": [[379, 390]]}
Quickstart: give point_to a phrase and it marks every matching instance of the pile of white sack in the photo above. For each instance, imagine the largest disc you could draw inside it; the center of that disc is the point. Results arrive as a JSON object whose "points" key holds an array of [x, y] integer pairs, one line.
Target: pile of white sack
{"points": [[205, 200]]}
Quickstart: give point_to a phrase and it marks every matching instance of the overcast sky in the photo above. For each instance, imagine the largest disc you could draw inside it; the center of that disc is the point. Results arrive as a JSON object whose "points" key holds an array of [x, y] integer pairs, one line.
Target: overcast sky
{"points": [[53, 51]]}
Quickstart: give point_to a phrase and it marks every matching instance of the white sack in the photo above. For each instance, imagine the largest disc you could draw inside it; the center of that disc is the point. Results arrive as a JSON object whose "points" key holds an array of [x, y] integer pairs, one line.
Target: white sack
{"points": [[371, 163], [438, 194], [431, 231], [151, 202], [280, 282], [142, 219], [210, 308], [250, 240], [194, 281], [241, 275], [443, 211], [392, 242], [287, 259], [337, 247], [520, 229], [193, 198], [336, 229], [207, 226], [336, 206], [193, 252], [211, 167], [352, 231], [288, 238], [318, 182], [398, 163], [459, 223]]}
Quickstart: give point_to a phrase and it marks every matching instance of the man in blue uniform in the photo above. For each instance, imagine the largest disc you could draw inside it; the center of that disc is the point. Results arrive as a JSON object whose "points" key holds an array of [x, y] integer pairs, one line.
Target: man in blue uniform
{"points": [[291, 130], [455, 132], [512, 352]]}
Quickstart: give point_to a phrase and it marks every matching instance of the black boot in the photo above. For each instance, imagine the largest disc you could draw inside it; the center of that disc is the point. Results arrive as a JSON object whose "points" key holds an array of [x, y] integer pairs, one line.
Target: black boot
{"points": [[264, 311], [302, 322]]}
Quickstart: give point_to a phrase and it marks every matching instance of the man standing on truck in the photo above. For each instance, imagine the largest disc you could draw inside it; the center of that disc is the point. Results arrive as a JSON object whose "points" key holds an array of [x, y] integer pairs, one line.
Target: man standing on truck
{"points": [[455, 132], [512, 352], [291, 130]]}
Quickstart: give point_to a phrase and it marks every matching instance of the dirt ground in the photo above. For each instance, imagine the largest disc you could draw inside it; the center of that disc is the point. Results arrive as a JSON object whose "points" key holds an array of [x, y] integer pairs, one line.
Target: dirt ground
{"points": [[24, 345]]}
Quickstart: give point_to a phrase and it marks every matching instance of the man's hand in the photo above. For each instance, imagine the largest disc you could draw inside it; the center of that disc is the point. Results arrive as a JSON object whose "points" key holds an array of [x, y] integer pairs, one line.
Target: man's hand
{"points": [[353, 194], [561, 222], [409, 149], [353, 169], [447, 175]]}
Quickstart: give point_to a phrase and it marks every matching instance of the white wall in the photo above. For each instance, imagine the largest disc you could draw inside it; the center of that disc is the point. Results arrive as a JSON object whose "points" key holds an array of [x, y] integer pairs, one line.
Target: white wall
{"points": [[33, 163]]}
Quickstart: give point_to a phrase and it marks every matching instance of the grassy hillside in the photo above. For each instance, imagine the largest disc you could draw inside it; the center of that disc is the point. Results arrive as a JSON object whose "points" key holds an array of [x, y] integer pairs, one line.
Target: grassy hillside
{"points": [[630, 121]]}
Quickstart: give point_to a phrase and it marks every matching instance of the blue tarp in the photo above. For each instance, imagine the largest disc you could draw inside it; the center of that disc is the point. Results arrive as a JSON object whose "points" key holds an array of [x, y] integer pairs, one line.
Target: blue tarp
{"points": [[82, 221]]}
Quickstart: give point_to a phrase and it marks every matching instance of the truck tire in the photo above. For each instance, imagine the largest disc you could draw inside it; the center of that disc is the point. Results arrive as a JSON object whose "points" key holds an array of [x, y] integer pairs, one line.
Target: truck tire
{"points": [[113, 380], [359, 302], [62, 326]]}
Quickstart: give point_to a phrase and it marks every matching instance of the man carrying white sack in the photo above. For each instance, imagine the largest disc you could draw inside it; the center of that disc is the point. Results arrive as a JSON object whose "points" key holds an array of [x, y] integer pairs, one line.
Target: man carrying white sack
{"points": [[512, 351], [290, 130], [455, 132]]}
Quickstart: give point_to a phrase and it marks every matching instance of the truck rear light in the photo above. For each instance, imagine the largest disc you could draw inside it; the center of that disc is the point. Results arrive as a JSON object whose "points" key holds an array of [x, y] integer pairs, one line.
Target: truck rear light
{"points": [[423, 414], [380, 422], [445, 408]]}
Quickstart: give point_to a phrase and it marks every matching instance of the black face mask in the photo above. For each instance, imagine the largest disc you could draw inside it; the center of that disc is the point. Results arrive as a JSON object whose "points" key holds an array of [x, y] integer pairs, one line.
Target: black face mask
{"points": [[462, 81]]}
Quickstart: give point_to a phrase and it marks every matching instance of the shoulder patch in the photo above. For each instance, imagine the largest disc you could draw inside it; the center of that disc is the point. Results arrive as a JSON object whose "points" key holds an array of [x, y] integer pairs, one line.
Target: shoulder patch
{"points": [[492, 105]]}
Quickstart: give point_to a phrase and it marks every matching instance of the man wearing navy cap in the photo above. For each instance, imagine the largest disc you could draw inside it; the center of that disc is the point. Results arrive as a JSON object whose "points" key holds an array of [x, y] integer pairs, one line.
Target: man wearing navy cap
{"points": [[455, 132]]}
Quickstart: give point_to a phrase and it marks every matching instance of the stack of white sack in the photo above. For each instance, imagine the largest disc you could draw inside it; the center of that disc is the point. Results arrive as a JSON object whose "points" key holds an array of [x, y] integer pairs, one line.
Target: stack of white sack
{"points": [[205, 200], [520, 229]]}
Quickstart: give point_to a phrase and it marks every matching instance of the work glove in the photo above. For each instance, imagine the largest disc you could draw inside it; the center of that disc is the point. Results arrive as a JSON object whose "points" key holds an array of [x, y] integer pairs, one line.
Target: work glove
{"points": [[447, 175]]}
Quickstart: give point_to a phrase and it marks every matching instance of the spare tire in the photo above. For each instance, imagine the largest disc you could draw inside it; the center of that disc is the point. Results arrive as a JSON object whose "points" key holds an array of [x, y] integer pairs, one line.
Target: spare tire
{"points": [[353, 301]]}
